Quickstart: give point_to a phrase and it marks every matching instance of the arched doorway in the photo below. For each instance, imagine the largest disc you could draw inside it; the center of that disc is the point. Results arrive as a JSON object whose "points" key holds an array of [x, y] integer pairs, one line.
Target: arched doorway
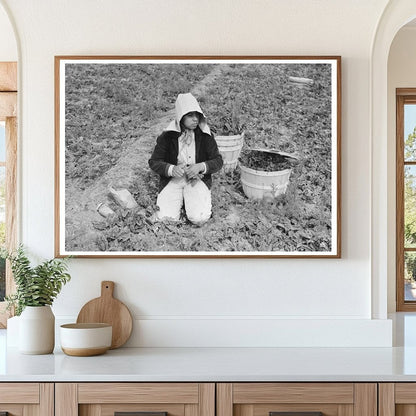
{"points": [[395, 16]]}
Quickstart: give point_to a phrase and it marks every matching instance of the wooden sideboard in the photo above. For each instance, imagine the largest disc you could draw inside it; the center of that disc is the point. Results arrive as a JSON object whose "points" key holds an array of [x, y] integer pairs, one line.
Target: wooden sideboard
{"points": [[208, 399]]}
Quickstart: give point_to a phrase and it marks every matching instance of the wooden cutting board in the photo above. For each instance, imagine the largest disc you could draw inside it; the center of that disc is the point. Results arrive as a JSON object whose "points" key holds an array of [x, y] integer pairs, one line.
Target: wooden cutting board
{"points": [[109, 310]]}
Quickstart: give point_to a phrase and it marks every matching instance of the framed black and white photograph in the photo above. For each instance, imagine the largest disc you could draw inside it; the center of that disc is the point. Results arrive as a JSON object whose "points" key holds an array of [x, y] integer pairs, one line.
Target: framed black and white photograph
{"points": [[198, 156]]}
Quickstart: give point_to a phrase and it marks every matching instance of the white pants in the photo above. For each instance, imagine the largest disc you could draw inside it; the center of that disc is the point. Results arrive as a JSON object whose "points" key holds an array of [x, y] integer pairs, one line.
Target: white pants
{"points": [[197, 198]]}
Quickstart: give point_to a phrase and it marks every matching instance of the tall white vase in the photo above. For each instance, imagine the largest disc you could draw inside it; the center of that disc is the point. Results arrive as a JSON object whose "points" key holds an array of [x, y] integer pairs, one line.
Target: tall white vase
{"points": [[37, 330]]}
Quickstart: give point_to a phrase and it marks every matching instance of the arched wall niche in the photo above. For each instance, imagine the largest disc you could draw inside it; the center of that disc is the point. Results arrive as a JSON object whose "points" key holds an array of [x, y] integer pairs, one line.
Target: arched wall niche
{"points": [[396, 14], [401, 74]]}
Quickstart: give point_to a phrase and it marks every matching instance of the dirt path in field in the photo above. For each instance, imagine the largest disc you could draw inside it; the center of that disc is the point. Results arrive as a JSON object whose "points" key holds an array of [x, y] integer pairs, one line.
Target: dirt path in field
{"points": [[81, 206]]}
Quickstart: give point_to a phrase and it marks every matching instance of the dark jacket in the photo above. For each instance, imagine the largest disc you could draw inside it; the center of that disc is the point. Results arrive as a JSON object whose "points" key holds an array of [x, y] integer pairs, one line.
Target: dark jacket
{"points": [[166, 150]]}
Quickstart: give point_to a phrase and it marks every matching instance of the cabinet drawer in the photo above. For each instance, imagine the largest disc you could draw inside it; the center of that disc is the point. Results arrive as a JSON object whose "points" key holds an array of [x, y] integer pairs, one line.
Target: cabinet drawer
{"points": [[21, 399], [148, 399], [138, 393], [309, 399], [19, 393]]}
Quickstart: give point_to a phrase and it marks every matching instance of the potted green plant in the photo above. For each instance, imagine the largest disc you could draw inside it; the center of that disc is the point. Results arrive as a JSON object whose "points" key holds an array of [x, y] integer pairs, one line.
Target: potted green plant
{"points": [[36, 289]]}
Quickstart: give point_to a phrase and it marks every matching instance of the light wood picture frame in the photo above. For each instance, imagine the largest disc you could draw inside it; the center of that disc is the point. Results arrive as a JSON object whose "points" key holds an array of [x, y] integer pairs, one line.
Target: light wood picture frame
{"points": [[278, 194]]}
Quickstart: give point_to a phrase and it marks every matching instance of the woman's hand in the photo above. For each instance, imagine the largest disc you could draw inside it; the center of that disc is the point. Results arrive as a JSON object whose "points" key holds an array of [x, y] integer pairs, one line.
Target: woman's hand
{"points": [[192, 171], [178, 171]]}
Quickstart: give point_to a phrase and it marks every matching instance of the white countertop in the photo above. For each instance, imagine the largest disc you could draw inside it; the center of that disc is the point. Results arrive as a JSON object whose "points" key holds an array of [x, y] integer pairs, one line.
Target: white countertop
{"points": [[222, 364], [215, 364]]}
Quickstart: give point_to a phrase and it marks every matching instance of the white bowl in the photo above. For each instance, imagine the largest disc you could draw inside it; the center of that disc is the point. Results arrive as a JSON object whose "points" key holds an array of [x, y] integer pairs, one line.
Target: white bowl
{"points": [[85, 339]]}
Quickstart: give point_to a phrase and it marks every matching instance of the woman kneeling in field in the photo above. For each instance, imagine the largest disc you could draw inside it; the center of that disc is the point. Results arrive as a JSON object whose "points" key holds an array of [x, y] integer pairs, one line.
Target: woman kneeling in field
{"points": [[185, 157]]}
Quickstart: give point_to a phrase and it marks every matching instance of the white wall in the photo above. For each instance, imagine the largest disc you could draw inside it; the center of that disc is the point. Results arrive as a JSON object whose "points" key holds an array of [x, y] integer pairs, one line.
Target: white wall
{"points": [[8, 46], [401, 74], [207, 301]]}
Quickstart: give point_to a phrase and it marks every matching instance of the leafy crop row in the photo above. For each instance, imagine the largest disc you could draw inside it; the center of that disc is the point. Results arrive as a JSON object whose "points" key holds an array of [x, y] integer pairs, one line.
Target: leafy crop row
{"points": [[110, 105]]}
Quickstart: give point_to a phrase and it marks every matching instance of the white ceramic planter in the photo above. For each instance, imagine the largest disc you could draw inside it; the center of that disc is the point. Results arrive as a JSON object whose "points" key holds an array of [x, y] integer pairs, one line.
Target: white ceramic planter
{"points": [[37, 330]]}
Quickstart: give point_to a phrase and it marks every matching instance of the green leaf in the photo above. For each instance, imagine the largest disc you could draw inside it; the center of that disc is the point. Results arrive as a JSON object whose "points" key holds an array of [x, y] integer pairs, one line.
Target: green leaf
{"points": [[35, 286]]}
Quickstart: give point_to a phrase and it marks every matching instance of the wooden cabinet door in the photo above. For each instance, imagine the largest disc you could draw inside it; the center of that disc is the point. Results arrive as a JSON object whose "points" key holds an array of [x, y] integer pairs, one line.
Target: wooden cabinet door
{"points": [[26, 399], [397, 399], [297, 399], [143, 399]]}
